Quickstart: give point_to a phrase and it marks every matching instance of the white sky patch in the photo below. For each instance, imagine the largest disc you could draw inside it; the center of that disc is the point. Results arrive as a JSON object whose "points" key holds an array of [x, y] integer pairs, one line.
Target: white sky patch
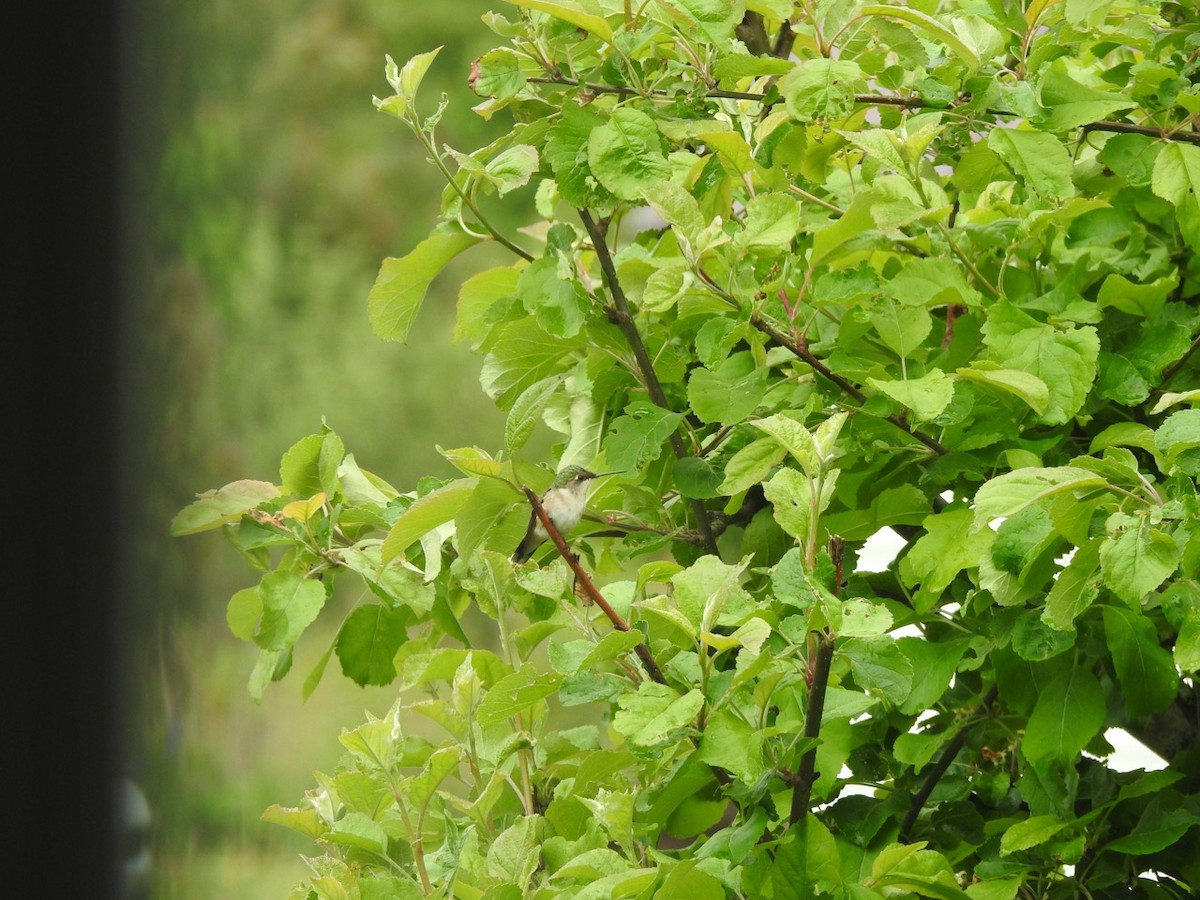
{"points": [[879, 550], [1130, 754]]}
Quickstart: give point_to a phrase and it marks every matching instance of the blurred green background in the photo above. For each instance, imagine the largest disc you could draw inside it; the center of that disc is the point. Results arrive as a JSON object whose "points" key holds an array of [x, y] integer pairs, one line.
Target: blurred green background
{"points": [[262, 191]]}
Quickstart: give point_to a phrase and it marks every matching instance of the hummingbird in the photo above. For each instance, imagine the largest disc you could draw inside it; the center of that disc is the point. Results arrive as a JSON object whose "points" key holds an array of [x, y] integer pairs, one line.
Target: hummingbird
{"points": [[563, 501]]}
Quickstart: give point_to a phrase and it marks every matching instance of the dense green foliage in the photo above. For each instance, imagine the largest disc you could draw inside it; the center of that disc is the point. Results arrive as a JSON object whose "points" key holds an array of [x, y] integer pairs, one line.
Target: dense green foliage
{"points": [[801, 272]]}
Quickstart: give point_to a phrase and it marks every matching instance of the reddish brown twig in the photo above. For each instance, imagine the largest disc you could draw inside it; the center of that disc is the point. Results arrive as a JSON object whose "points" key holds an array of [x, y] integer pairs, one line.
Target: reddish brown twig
{"points": [[590, 588]]}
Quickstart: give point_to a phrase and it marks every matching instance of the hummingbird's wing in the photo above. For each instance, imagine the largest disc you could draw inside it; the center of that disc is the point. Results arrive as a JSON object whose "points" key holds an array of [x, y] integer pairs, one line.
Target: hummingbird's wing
{"points": [[530, 541]]}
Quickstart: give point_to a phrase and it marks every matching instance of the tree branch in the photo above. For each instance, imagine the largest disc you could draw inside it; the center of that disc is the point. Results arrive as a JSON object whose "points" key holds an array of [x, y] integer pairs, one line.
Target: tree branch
{"points": [[1190, 137], [806, 777], [622, 316], [590, 588], [761, 324], [940, 768]]}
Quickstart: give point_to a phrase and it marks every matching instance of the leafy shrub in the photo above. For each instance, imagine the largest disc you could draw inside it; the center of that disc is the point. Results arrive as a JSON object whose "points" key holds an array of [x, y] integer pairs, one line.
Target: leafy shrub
{"points": [[803, 274]]}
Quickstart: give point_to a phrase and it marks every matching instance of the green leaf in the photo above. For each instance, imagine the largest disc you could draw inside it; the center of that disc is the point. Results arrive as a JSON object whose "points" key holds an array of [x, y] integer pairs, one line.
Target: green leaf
{"points": [[399, 289], [821, 89], [639, 436], [949, 545], [901, 328], [884, 146], [656, 715], [677, 207], [880, 667], [1070, 104], [243, 612], [1156, 830], [771, 223], [355, 829], [1024, 385], [1011, 492], [1075, 587], [557, 301], [570, 12], [862, 618], [299, 468], [1187, 642], [367, 643], [426, 513], [1069, 712], [807, 852], [705, 588], [853, 223], [743, 65], [1176, 173], [626, 154], [290, 603], [515, 693], [527, 411], [715, 19], [397, 584], [931, 283], [567, 152], [1032, 832], [904, 505], [512, 168], [405, 81], [751, 465], [1145, 670], [926, 396], [1137, 299], [697, 479], [729, 393], [514, 855], [796, 439], [913, 868], [790, 494], [934, 666], [1137, 562], [213, 509], [613, 645], [1038, 158], [477, 296], [521, 355], [419, 790], [303, 820], [497, 74], [1171, 398], [930, 26], [730, 742], [1177, 440]]}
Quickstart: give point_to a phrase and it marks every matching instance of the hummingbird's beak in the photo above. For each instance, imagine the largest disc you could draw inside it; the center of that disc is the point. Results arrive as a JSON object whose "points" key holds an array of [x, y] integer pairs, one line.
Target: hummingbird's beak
{"points": [[614, 472]]}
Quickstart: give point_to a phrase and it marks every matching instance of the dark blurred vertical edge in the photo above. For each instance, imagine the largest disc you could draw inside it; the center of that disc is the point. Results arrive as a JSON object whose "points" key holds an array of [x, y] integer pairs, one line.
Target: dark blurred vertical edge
{"points": [[63, 122]]}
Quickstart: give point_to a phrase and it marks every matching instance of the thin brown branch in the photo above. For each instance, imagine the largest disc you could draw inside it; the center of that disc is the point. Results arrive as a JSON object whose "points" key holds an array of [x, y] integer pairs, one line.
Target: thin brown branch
{"points": [[806, 777], [1191, 137], [622, 316], [761, 324], [940, 767], [589, 587]]}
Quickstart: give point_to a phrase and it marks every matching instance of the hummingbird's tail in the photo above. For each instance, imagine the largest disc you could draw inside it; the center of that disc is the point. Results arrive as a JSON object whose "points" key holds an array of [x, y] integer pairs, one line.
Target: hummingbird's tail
{"points": [[524, 551]]}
